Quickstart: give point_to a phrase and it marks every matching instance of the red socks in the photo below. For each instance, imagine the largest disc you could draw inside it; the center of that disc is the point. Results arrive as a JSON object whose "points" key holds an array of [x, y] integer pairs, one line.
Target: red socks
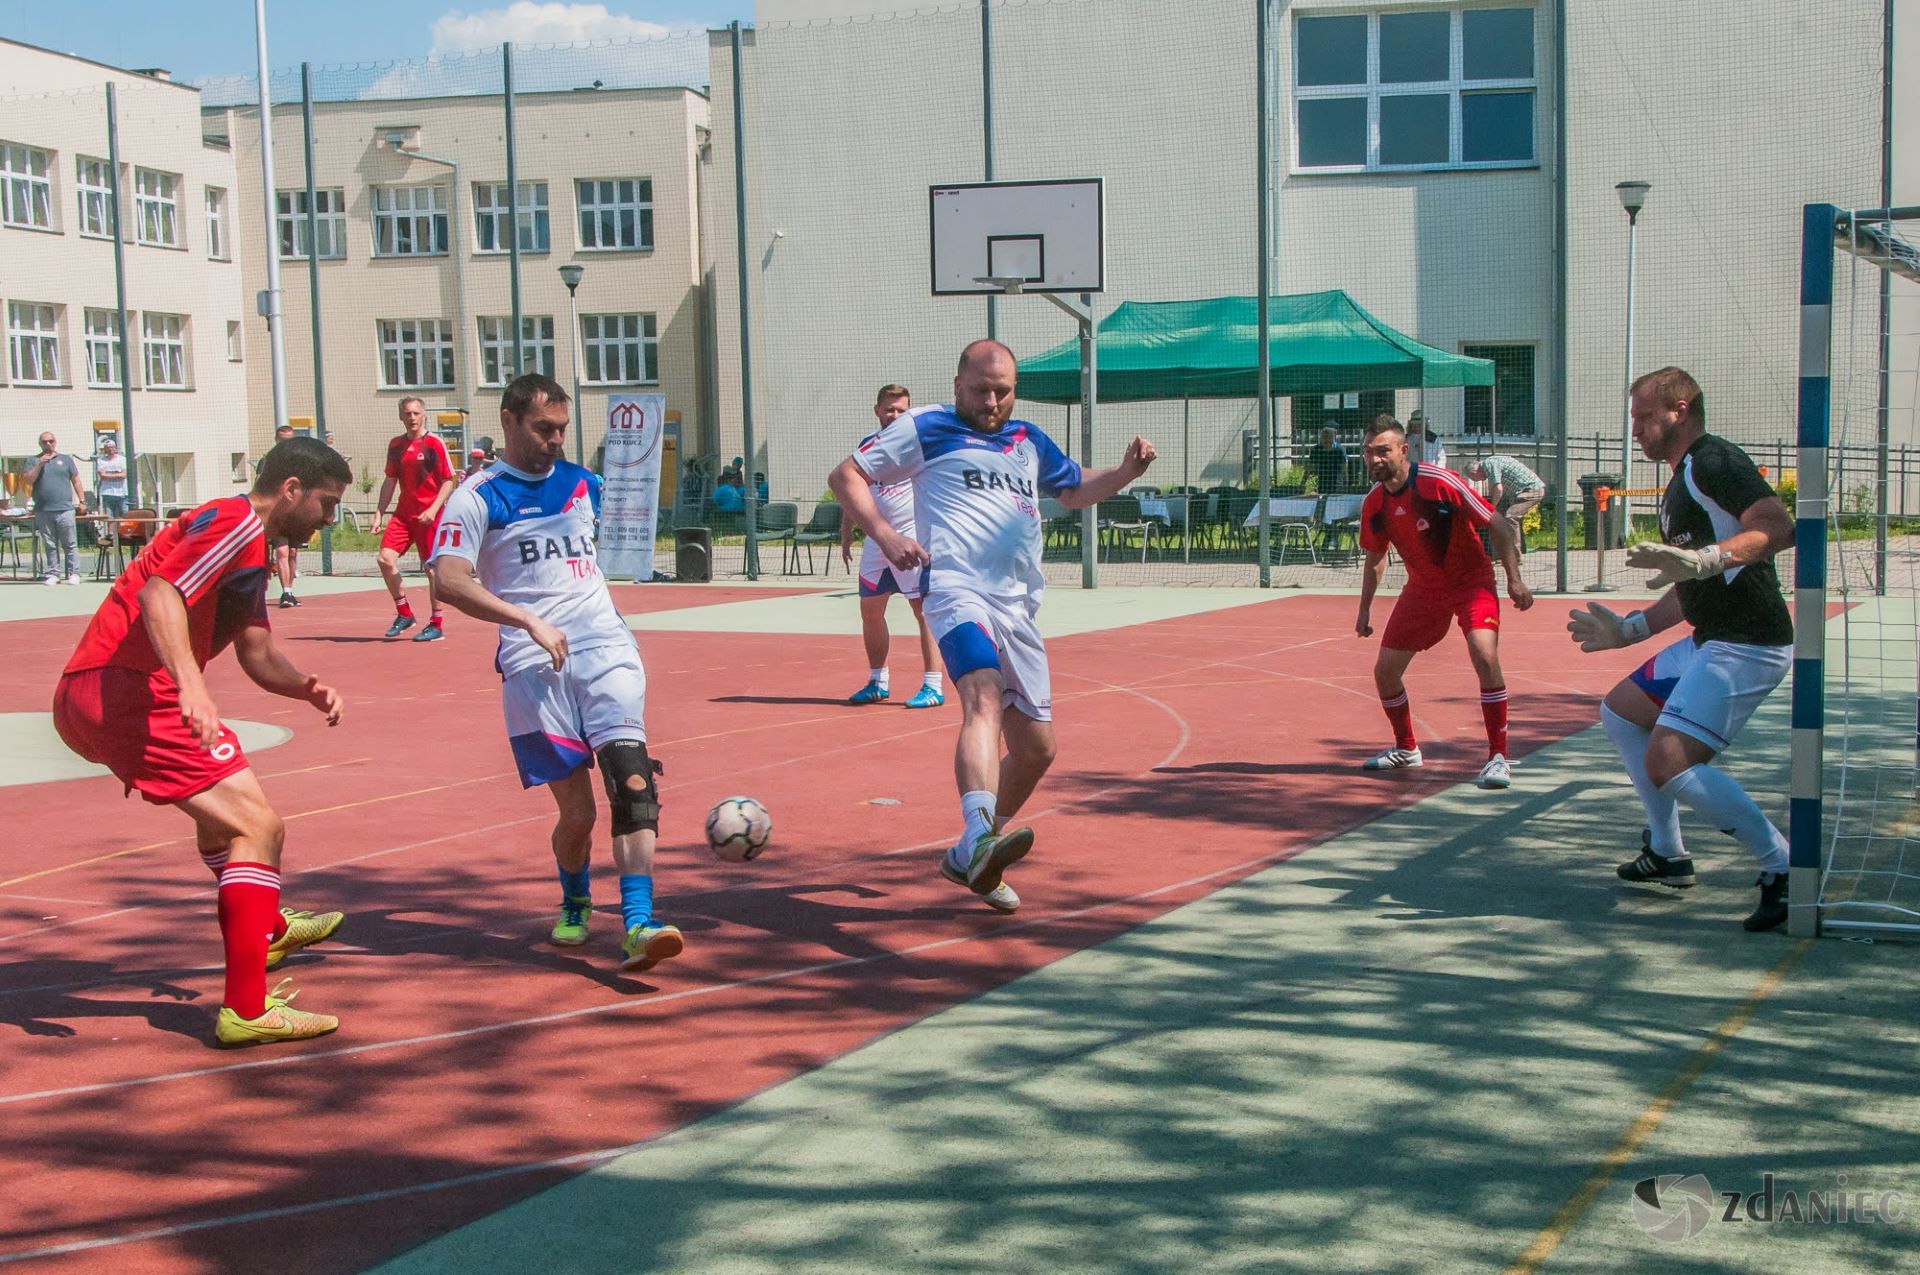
{"points": [[403, 608], [1400, 714], [1493, 708], [249, 918]]}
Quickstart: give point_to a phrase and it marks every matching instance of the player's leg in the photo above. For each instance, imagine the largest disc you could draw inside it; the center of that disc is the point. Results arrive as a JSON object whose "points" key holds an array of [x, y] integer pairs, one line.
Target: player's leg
{"points": [[1389, 681], [394, 540], [572, 841], [874, 636], [1479, 617], [283, 568], [1031, 749], [1628, 714], [436, 622], [932, 693], [543, 732]]}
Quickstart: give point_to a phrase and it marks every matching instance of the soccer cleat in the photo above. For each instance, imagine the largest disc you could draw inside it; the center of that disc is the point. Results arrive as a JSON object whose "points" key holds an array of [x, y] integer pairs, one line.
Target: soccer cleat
{"points": [[571, 929], [1496, 773], [280, 1021], [1001, 898], [303, 930], [871, 693], [647, 945], [926, 697], [1395, 759], [992, 855], [401, 623], [1771, 913], [288, 600], [1675, 874], [431, 633]]}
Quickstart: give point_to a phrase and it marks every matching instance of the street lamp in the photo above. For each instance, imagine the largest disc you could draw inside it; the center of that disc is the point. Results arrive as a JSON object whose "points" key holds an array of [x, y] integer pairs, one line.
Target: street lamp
{"points": [[570, 275], [1633, 197]]}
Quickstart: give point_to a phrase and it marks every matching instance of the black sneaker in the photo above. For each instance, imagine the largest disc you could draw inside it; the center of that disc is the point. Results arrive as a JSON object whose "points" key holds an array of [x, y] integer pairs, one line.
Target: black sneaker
{"points": [[401, 623], [1771, 914], [288, 600], [1675, 874]]}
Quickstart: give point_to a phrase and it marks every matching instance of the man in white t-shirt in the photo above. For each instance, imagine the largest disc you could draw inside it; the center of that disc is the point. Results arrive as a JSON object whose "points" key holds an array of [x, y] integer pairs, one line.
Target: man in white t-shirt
{"points": [[978, 477], [110, 478], [572, 684], [878, 578]]}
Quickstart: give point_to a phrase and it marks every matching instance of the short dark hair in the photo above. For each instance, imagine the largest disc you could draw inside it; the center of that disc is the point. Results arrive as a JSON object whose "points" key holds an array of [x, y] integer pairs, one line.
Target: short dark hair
{"points": [[308, 459], [1674, 385], [523, 389], [967, 354], [283, 429], [1385, 424]]}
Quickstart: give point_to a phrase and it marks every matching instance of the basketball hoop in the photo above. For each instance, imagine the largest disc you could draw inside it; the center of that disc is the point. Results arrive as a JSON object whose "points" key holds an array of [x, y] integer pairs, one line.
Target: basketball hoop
{"points": [[1010, 284]]}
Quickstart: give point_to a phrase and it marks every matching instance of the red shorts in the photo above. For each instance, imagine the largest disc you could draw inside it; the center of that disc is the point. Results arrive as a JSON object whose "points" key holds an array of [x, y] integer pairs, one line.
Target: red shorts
{"points": [[1420, 617], [129, 722], [403, 530]]}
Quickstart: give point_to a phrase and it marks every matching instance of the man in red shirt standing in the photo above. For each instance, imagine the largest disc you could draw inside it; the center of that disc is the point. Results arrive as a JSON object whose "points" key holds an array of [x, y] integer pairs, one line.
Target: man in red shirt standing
{"points": [[133, 699], [418, 462], [1432, 518]]}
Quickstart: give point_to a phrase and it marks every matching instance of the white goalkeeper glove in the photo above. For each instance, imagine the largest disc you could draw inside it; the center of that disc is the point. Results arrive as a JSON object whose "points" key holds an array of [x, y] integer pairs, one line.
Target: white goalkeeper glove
{"points": [[1598, 629], [1675, 564]]}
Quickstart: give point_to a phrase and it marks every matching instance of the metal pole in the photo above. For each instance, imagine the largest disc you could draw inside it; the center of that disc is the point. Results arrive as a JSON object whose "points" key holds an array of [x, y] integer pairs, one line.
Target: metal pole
{"points": [[120, 299], [275, 344], [579, 408], [1186, 469], [751, 562], [1882, 417], [1089, 396], [986, 134], [1626, 411], [1564, 452], [513, 226], [313, 290], [1263, 302]]}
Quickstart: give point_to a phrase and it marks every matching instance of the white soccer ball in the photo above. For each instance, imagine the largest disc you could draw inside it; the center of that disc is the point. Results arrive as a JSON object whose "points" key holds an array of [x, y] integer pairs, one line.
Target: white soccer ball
{"points": [[738, 829]]}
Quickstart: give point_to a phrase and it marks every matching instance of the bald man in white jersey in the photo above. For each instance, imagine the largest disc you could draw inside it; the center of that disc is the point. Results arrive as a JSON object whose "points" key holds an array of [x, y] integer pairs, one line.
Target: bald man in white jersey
{"points": [[978, 476]]}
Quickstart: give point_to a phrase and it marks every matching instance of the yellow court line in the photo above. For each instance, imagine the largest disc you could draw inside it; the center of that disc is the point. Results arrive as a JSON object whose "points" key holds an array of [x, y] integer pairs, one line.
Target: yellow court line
{"points": [[325, 765], [1568, 1215]]}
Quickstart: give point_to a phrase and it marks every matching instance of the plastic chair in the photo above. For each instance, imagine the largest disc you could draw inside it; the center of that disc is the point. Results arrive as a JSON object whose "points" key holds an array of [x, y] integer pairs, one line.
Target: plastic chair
{"points": [[822, 528], [1119, 518]]}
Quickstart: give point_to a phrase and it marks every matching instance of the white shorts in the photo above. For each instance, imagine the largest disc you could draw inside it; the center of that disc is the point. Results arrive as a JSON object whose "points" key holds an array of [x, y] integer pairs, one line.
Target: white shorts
{"points": [[555, 721], [878, 576], [1709, 691], [977, 632]]}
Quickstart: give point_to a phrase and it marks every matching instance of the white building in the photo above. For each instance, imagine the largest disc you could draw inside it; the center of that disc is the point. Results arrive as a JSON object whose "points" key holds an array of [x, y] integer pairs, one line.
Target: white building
{"points": [[185, 304]]}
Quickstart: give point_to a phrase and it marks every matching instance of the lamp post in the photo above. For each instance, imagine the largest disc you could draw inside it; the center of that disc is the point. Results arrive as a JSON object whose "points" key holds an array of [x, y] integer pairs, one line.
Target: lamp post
{"points": [[1633, 197], [570, 275]]}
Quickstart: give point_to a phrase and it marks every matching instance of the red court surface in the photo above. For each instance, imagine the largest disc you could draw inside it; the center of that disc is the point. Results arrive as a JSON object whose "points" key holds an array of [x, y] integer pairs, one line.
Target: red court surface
{"points": [[475, 1063]]}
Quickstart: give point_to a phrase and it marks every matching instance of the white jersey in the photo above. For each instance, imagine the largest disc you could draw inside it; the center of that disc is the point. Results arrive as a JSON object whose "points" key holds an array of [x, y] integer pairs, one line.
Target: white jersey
{"points": [[894, 499], [531, 540], [976, 496]]}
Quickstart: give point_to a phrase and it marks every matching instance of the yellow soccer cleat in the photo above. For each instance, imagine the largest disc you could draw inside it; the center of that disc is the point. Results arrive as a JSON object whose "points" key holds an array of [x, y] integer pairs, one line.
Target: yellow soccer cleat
{"points": [[280, 1021], [648, 945], [303, 929]]}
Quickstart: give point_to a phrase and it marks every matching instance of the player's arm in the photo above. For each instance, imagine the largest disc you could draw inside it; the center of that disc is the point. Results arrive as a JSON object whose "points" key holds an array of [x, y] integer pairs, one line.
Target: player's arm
{"points": [[854, 489], [164, 612], [1101, 484], [386, 498], [269, 668], [847, 524], [1370, 577], [1507, 549], [458, 587]]}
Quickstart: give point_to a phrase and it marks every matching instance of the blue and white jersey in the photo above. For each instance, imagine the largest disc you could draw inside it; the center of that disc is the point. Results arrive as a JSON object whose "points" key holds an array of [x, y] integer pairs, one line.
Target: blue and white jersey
{"points": [[976, 496], [531, 542], [894, 499]]}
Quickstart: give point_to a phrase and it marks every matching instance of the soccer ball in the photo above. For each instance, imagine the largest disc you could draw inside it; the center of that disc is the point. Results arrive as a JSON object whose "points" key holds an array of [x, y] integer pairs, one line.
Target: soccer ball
{"points": [[738, 829]]}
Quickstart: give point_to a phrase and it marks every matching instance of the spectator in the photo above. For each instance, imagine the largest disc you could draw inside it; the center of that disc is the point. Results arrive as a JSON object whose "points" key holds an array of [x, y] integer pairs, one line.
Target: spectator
{"points": [[476, 462], [110, 477], [1432, 451], [760, 487], [1327, 462], [57, 497], [286, 563], [728, 497], [1512, 489]]}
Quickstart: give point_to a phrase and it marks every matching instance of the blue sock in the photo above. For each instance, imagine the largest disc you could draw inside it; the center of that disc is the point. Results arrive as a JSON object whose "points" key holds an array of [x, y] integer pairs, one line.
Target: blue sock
{"points": [[576, 885], [636, 899]]}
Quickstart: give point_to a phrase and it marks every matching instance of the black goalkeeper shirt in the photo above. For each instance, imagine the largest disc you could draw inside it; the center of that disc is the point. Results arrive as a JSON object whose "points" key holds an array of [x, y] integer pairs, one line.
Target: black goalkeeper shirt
{"points": [[1712, 486]]}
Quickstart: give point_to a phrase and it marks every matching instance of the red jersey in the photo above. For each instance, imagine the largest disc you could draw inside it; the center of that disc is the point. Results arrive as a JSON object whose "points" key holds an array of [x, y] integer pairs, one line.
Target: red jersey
{"points": [[1434, 522], [216, 556], [421, 465]]}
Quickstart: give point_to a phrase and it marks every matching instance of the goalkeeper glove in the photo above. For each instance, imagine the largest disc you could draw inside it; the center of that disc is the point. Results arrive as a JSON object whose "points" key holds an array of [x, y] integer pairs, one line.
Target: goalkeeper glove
{"points": [[1675, 564], [1598, 629]]}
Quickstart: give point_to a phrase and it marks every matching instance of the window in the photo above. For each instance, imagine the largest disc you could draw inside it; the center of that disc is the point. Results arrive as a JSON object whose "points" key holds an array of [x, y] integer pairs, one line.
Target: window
{"points": [[219, 247], [163, 343], [416, 354], [409, 221], [1505, 407], [621, 349], [1431, 88], [94, 185], [490, 215], [616, 213], [156, 208], [496, 347], [33, 343], [103, 349], [26, 192], [330, 223], [233, 341]]}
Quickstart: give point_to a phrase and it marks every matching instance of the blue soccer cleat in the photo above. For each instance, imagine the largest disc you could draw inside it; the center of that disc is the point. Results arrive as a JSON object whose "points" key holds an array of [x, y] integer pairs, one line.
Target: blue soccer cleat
{"points": [[926, 697], [871, 693]]}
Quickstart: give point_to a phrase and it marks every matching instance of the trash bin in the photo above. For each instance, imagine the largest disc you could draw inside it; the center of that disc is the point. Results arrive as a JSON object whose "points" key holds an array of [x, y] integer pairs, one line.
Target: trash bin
{"points": [[693, 554], [1590, 510]]}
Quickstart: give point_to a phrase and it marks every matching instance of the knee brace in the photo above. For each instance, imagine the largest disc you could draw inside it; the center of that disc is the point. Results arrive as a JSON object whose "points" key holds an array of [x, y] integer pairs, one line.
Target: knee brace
{"points": [[628, 774]]}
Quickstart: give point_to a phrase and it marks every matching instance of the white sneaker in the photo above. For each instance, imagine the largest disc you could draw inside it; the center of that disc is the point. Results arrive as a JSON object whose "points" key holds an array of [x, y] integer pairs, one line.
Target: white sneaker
{"points": [[1395, 759], [73, 579], [1496, 773], [1001, 898], [51, 581]]}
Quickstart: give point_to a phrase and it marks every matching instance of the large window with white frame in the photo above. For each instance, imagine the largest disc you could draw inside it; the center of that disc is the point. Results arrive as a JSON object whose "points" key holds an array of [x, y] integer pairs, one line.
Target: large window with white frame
{"points": [[496, 347], [93, 186], [330, 223], [26, 189], [619, 349], [156, 208], [416, 354], [616, 213], [33, 342], [219, 241], [102, 335], [490, 215], [1411, 89], [163, 348], [409, 221]]}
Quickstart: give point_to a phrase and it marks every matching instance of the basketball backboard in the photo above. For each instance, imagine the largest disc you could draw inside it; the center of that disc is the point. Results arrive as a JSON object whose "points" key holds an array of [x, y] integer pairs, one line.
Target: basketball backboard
{"points": [[1033, 236]]}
